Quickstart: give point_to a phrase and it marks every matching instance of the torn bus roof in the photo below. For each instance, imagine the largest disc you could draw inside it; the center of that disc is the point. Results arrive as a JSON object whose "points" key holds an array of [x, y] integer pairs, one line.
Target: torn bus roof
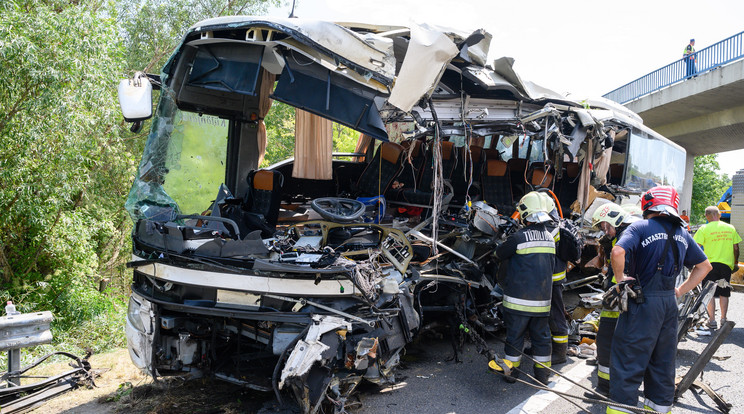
{"points": [[349, 72]]}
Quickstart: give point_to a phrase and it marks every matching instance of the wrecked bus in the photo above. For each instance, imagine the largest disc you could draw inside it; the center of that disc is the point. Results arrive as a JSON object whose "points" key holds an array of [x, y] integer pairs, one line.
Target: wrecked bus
{"points": [[309, 276]]}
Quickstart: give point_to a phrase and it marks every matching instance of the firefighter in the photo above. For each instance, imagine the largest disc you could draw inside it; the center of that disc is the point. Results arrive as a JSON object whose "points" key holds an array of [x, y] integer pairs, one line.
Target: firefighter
{"points": [[656, 249], [558, 322], [530, 252], [612, 220]]}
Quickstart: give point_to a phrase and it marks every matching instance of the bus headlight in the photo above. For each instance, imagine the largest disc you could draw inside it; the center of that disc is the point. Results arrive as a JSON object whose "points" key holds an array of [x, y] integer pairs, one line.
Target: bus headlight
{"points": [[134, 316]]}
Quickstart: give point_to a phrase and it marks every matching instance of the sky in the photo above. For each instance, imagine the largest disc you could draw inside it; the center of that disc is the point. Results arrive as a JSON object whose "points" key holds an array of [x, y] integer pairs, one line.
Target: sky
{"points": [[582, 48]]}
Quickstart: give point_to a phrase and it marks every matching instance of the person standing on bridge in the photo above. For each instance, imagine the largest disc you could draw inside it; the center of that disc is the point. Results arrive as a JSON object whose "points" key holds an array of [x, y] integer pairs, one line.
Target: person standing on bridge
{"points": [[717, 239], [689, 58], [656, 249]]}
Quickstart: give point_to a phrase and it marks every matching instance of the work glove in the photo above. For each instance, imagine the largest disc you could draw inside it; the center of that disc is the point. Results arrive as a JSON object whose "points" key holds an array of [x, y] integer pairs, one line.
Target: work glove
{"points": [[612, 298], [617, 296]]}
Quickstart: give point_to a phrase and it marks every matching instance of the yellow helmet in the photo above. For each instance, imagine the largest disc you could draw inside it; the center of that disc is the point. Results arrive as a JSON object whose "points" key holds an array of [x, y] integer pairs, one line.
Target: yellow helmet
{"points": [[534, 207], [552, 210], [609, 213]]}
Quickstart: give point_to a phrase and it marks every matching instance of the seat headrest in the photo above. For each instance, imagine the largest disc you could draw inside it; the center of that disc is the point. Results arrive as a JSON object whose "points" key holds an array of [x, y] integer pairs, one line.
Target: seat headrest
{"points": [[416, 143], [496, 168], [476, 153], [491, 154], [390, 151], [538, 174], [263, 180], [448, 150]]}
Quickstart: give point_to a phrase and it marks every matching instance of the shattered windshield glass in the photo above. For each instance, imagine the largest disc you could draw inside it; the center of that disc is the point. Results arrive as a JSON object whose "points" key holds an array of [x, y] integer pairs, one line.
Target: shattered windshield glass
{"points": [[182, 165]]}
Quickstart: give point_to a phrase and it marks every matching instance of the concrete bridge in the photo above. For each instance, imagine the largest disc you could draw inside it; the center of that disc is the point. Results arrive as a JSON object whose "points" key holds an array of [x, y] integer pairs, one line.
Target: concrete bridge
{"points": [[702, 111]]}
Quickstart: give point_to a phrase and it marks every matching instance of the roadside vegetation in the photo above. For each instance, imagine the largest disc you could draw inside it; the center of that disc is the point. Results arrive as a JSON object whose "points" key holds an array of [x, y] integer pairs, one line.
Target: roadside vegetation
{"points": [[67, 159], [708, 185]]}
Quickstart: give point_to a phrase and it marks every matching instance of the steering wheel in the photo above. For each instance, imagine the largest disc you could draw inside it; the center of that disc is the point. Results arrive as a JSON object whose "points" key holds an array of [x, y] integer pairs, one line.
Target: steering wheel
{"points": [[337, 209]]}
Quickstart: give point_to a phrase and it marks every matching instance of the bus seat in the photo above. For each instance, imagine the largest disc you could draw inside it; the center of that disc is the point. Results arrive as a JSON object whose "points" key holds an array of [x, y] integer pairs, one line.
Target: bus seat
{"points": [[264, 194], [517, 167], [381, 171], [492, 154], [497, 188], [539, 177], [462, 172], [423, 193]]}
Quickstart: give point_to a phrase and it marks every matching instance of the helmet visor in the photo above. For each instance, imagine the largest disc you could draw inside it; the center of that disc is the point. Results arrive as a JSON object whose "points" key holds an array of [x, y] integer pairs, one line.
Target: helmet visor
{"points": [[538, 217]]}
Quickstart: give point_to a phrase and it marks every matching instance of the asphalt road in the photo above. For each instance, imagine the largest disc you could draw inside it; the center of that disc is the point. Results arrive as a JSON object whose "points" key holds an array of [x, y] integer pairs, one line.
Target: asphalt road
{"points": [[428, 383]]}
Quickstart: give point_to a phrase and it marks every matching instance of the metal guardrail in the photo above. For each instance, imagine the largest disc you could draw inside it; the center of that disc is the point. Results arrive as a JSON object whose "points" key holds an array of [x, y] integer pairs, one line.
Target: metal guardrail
{"points": [[709, 58], [22, 330]]}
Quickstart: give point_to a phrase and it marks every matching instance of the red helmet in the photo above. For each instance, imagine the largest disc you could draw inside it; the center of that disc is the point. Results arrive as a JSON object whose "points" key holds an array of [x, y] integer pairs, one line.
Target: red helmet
{"points": [[663, 199]]}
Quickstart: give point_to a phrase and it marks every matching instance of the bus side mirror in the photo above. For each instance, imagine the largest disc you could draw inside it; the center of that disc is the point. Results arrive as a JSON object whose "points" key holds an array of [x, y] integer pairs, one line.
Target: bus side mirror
{"points": [[135, 99]]}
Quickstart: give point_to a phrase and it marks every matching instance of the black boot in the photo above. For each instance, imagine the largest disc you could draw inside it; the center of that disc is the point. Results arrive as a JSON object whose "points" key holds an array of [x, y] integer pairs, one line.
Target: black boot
{"points": [[512, 378], [542, 375], [559, 353]]}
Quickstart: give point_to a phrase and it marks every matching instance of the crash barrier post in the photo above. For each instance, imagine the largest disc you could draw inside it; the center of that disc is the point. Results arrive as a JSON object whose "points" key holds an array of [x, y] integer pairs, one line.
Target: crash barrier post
{"points": [[699, 364], [709, 58], [22, 330]]}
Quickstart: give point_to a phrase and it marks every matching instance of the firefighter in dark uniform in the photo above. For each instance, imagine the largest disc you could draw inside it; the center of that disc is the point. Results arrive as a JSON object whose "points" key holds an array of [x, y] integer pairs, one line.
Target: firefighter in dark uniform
{"points": [[612, 220], [656, 249], [557, 322], [530, 252]]}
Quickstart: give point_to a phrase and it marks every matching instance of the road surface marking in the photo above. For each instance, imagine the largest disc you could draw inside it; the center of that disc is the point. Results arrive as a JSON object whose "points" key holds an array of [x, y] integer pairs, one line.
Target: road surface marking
{"points": [[542, 399]]}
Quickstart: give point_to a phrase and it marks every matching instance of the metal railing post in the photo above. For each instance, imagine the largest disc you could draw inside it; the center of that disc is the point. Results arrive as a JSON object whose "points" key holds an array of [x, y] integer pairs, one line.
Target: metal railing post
{"points": [[14, 364]]}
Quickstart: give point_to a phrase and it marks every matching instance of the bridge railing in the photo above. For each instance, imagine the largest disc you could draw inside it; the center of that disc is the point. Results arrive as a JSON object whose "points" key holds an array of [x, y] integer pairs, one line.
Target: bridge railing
{"points": [[711, 57]]}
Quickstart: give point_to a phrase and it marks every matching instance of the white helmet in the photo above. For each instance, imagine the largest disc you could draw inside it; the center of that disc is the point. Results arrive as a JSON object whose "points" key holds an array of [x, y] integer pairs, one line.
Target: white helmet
{"points": [[609, 213]]}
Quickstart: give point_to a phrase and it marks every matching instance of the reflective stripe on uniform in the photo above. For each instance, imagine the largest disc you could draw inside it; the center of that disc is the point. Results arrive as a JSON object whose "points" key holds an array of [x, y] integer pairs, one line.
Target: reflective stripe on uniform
{"points": [[609, 314], [515, 360], [540, 246], [560, 339], [650, 405], [531, 250], [556, 233], [603, 372], [542, 361], [526, 305], [617, 410], [559, 276]]}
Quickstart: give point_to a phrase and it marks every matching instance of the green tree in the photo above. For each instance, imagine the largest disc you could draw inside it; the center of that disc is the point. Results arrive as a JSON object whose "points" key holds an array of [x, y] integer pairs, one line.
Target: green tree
{"points": [[64, 167], [707, 186]]}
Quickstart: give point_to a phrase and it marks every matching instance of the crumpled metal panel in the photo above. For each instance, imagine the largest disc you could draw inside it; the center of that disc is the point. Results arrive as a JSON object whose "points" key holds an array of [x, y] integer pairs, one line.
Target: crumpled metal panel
{"points": [[427, 57], [310, 350], [374, 56]]}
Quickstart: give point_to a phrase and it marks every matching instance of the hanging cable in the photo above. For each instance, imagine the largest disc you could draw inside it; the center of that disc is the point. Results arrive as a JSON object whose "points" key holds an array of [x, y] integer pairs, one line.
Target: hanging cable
{"points": [[438, 178]]}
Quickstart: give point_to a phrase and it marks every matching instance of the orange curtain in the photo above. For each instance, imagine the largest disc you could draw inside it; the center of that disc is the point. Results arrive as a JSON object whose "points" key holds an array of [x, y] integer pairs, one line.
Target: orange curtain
{"points": [[362, 146], [264, 104], [313, 147]]}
